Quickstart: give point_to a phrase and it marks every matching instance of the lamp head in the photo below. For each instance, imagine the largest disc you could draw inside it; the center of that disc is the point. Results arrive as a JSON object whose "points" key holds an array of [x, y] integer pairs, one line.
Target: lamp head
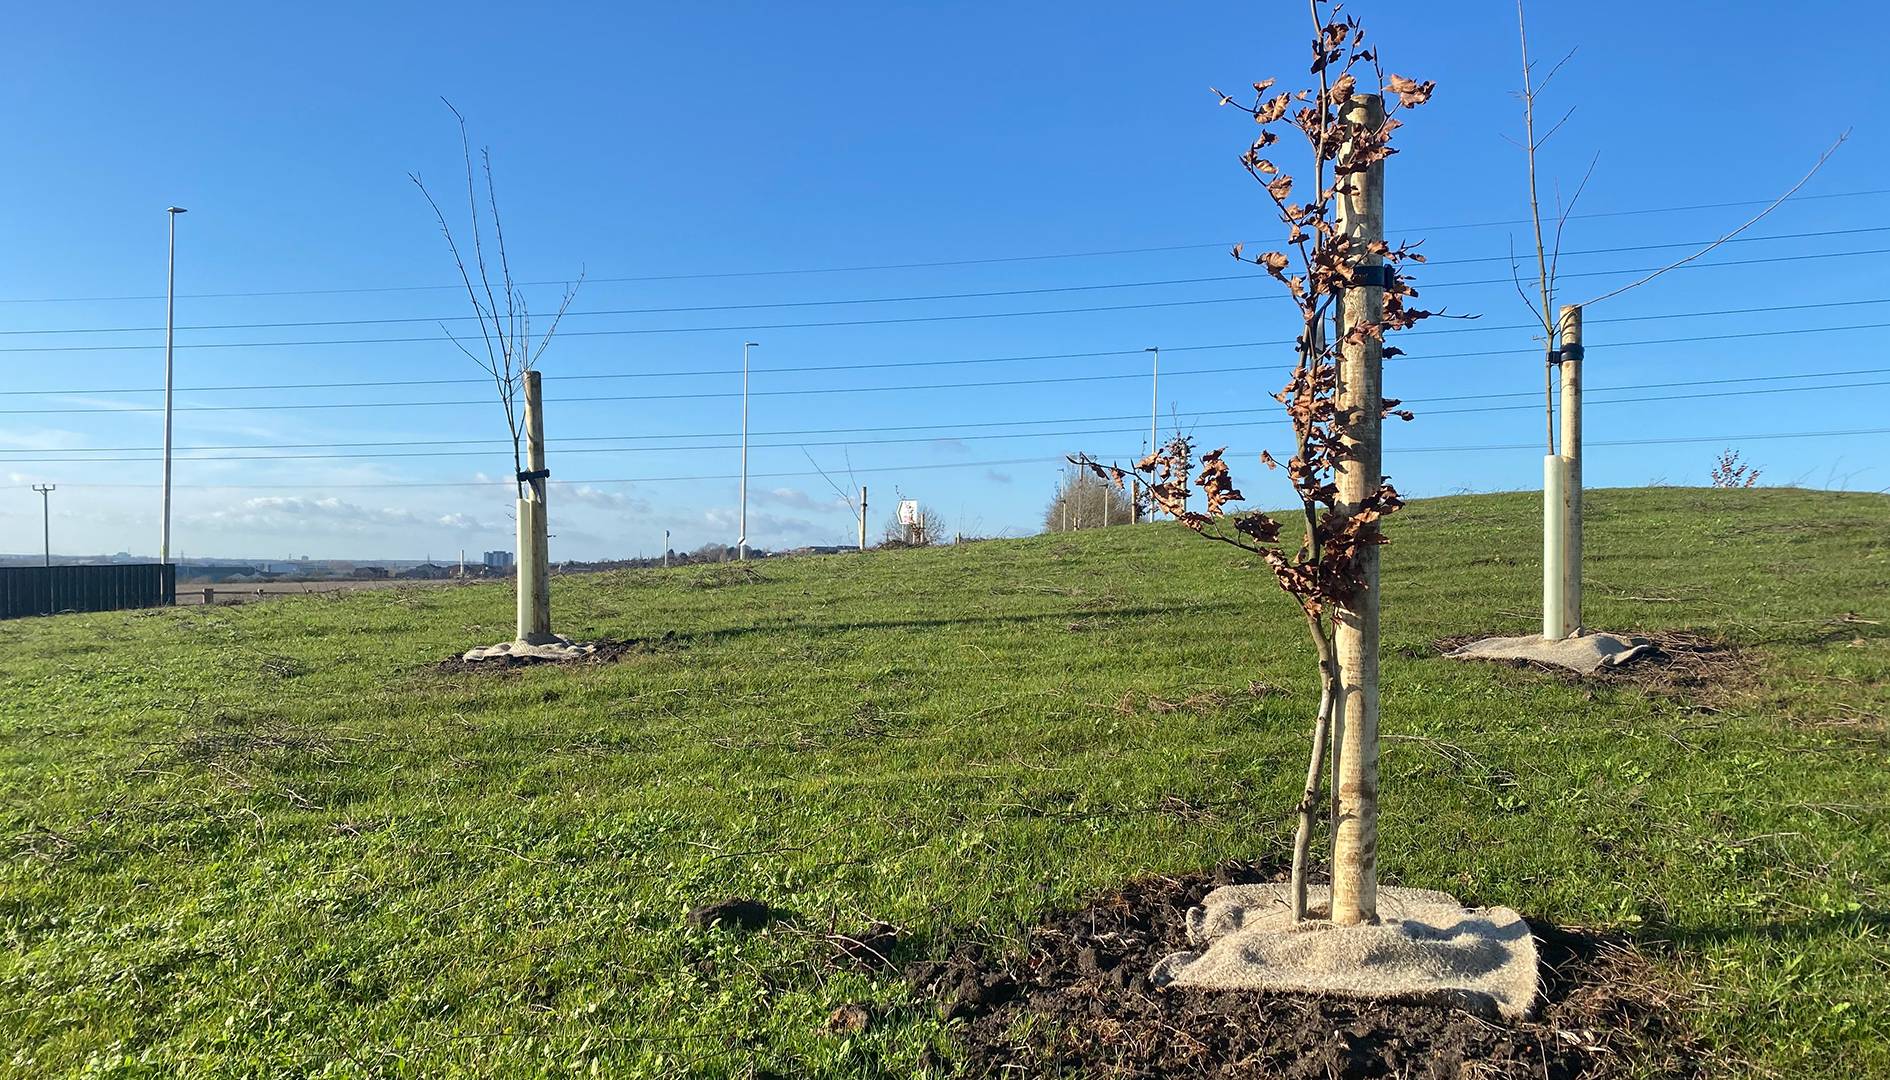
{"points": [[175, 210]]}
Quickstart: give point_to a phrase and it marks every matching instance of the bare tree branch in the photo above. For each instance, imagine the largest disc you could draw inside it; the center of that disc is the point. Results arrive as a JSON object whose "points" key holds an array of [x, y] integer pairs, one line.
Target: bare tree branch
{"points": [[1750, 222], [510, 351]]}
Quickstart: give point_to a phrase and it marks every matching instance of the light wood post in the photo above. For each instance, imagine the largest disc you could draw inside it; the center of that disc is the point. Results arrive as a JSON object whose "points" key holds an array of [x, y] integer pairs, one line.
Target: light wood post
{"points": [[862, 517], [534, 563], [1571, 326], [1359, 474]]}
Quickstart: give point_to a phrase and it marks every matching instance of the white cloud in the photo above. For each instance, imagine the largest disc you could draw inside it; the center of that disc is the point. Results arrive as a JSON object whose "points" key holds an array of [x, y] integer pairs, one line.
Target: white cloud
{"points": [[796, 499], [586, 495], [294, 512], [42, 439]]}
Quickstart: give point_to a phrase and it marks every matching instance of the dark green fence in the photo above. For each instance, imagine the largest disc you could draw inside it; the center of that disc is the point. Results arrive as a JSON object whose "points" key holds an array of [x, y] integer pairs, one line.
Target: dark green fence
{"points": [[45, 590]]}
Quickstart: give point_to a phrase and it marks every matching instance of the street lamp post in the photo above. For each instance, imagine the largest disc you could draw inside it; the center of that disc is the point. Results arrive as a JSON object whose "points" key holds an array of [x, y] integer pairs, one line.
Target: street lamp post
{"points": [[1154, 406], [170, 313], [741, 541], [1154, 395]]}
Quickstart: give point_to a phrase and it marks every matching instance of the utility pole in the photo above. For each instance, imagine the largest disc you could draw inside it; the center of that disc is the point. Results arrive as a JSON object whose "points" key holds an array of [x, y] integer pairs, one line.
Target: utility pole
{"points": [[1359, 473], [665, 549], [534, 562], [1571, 363], [741, 541], [170, 322], [862, 517], [45, 507]]}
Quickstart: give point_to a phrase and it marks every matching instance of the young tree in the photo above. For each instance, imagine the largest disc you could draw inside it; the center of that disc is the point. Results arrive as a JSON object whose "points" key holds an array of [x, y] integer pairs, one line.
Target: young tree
{"points": [[927, 531], [1083, 500], [1561, 337], [1337, 271], [1730, 472], [507, 349]]}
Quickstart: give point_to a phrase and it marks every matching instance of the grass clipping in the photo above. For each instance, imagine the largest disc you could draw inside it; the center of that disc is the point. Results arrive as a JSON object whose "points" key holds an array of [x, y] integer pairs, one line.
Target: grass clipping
{"points": [[1425, 947]]}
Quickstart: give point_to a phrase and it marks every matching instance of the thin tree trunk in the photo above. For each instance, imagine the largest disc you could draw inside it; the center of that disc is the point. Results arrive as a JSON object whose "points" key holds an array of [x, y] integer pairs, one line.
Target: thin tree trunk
{"points": [[1315, 767]]}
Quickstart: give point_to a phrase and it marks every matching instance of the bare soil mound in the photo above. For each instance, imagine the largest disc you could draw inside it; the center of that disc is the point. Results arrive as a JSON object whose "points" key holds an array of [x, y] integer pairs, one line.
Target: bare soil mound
{"points": [[1078, 1002], [608, 651]]}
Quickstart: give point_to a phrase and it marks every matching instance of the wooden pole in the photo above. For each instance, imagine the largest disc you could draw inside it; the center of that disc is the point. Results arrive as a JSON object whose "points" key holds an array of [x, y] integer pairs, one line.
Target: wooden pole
{"points": [[1571, 323], [862, 517], [1361, 217], [534, 566]]}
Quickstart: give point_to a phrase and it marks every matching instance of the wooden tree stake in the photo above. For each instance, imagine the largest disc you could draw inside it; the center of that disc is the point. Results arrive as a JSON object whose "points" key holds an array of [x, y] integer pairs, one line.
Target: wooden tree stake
{"points": [[1359, 473], [534, 566]]}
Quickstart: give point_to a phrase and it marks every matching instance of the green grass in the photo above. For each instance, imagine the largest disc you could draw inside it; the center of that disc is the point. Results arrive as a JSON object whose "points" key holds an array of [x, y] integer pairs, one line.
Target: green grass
{"points": [[270, 840]]}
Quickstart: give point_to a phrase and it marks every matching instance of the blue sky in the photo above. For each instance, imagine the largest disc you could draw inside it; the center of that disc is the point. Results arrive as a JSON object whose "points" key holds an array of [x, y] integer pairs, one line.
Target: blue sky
{"points": [[704, 147]]}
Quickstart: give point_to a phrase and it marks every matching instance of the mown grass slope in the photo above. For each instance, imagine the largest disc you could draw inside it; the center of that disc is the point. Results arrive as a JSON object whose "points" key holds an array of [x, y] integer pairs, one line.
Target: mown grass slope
{"points": [[272, 840]]}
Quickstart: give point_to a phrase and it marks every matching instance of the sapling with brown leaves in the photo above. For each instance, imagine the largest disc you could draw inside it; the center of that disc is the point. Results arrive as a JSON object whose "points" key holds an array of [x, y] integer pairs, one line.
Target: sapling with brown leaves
{"points": [[1340, 274]]}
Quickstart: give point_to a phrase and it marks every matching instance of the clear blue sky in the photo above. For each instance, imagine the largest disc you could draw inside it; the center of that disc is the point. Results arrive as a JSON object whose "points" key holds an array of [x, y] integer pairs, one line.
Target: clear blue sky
{"points": [[681, 139]]}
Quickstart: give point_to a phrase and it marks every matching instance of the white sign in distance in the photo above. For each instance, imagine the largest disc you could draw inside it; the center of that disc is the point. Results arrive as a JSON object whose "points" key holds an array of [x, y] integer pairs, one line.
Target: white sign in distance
{"points": [[908, 511]]}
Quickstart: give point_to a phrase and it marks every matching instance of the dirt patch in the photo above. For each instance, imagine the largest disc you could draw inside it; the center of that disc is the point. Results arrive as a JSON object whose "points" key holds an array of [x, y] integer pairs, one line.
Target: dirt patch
{"points": [[1077, 1001], [608, 651], [1703, 670]]}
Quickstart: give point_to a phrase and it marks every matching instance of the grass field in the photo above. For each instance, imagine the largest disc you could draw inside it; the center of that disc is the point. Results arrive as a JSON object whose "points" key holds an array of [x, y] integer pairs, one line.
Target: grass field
{"points": [[271, 840]]}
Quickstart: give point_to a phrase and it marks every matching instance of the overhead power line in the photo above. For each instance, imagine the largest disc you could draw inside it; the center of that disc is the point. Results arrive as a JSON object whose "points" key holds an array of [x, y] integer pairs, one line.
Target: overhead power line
{"points": [[1420, 403], [1390, 450], [934, 264], [129, 409], [438, 320], [907, 319], [884, 365], [942, 431]]}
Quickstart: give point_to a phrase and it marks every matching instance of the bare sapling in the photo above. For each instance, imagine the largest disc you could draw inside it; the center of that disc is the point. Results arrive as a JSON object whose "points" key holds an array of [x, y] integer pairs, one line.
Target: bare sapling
{"points": [[1561, 335], [507, 349], [1730, 472], [1339, 272]]}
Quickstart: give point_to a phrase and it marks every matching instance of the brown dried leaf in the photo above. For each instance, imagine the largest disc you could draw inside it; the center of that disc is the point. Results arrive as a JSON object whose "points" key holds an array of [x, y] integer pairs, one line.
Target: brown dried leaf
{"points": [[1411, 93]]}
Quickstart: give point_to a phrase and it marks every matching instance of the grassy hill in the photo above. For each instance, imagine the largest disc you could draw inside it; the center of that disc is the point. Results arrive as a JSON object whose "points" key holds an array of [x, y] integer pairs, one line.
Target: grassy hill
{"points": [[269, 839]]}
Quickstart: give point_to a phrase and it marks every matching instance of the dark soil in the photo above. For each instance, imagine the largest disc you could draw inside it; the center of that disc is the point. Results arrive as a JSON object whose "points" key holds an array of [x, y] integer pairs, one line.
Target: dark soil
{"points": [[608, 651], [735, 913], [1078, 1003]]}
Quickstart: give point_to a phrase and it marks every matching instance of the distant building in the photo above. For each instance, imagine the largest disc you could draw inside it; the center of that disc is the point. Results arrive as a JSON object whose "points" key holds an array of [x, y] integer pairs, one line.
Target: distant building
{"points": [[498, 560], [425, 572], [370, 572]]}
